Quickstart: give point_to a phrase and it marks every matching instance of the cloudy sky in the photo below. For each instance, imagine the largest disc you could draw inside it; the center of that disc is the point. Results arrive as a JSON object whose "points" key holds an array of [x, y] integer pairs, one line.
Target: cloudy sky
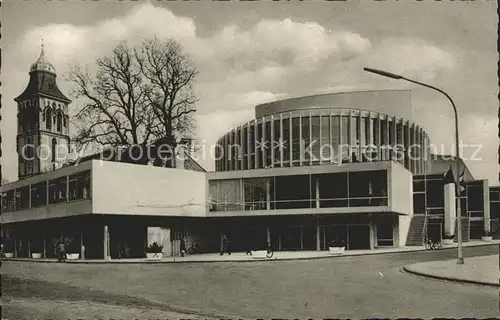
{"points": [[253, 52]]}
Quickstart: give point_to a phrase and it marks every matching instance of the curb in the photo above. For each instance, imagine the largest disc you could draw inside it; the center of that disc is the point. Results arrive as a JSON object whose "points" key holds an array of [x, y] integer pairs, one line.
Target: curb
{"points": [[117, 261], [457, 280]]}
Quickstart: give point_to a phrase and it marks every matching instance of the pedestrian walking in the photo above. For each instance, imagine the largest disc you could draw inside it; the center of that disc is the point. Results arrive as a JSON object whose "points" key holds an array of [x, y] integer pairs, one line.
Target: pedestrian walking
{"points": [[225, 246], [61, 251]]}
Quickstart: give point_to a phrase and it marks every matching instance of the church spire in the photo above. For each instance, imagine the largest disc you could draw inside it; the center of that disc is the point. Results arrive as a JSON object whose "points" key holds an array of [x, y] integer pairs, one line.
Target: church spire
{"points": [[42, 64]]}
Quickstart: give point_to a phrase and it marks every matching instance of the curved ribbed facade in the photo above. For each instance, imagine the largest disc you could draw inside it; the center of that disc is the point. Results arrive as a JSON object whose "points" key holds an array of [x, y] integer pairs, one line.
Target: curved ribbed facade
{"points": [[315, 135]]}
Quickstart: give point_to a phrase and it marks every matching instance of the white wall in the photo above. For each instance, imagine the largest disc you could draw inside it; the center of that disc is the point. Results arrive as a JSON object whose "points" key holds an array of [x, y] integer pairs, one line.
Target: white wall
{"points": [[120, 188], [400, 183]]}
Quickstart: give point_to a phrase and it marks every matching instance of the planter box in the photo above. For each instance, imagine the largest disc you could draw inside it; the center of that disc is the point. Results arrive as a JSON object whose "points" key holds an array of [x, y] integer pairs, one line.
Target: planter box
{"points": [[336, 250], [72, 256], [448, 242], [259, 254], [154, 256], [36, 255], [9, 254], [487, 238]]}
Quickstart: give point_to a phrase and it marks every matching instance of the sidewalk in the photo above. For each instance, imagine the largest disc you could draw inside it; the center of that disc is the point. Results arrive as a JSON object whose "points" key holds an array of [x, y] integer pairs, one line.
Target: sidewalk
{"points": [[477, 270], [278, 255]]}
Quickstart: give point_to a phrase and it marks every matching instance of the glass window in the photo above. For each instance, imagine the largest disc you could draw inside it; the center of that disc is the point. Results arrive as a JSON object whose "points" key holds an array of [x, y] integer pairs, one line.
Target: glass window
{"points": [[494, 195], [255, 191], [292, 192], [419, 203], [268, 145], [345, 144], [259, 145], [244, 148], [315, 142], [435, 193], [57, 190], [368, 188], [305, 149], [295, 140], [39, 194], [333, 190], [277, 145], [286, 140], [419, 185], [252, 146], [475, 198], [226, 195], [23, 198], [48, 119], [59, 121]]}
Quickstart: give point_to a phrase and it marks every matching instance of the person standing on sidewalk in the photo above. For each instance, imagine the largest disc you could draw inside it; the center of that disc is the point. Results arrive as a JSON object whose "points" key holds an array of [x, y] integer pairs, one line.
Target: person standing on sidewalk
{"points": [[225, 246]]}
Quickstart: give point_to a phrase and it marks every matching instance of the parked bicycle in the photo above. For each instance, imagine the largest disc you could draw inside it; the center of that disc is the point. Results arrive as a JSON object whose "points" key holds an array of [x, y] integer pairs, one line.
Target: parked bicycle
{"points": [[270, 251], [431, 245], [193, 248]]}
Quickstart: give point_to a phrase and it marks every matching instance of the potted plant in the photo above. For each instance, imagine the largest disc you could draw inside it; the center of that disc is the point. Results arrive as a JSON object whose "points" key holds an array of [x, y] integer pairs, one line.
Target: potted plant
{"points": [[8, 248], [336, 246], [488, 236], [448, 240], [154, 251], [36, 250], [72, 249]]}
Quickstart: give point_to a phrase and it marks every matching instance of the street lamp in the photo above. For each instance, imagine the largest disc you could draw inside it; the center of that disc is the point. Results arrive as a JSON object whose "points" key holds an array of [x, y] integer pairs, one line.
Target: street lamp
{"points": [[457, 159]]}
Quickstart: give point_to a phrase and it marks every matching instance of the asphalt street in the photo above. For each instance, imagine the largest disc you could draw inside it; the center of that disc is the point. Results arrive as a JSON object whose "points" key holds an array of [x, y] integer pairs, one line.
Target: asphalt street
{"points": [[344, 287]]}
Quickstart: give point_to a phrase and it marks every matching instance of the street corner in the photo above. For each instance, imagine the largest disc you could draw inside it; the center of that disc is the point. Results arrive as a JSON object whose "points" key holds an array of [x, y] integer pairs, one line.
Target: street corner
{"points": [[481, 270]]}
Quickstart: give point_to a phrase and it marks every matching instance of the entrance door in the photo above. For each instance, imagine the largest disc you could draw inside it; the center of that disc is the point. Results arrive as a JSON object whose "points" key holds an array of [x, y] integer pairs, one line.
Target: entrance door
{"points": [[359, 237]]}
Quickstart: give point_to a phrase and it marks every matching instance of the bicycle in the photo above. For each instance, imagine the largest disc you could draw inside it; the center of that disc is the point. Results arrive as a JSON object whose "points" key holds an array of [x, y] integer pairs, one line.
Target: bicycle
{"points": [[269, 253], [193, 248], [430, 245]]}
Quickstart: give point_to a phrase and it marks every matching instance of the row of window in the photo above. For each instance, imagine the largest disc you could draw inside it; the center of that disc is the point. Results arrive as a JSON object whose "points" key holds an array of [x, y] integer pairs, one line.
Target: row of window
{"points": [[64, 189], [428, 195], [303, 140], [347, 189]]}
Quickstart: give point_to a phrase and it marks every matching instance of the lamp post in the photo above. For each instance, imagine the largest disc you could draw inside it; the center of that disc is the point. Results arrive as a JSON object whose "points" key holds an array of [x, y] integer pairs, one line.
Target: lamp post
{"points": [[460, 259]]}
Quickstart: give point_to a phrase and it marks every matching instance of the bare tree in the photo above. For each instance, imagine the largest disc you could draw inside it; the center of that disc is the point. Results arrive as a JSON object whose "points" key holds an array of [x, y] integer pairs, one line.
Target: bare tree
{"points": [[137, 96], [115, 111], [169, 78]]}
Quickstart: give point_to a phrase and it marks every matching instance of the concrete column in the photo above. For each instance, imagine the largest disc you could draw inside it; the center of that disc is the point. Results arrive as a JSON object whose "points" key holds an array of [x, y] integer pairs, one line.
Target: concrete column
{"points": [[268, 195], [301, 238], [15, 248], [373, 241], [317, 193], [106, 243], [268, 235], [29, 248], [486, 206], [82, 249], [318, 236], [44, 246], [221, 238], [279, 241], [450, 212], [395, 235], [271, 141]]}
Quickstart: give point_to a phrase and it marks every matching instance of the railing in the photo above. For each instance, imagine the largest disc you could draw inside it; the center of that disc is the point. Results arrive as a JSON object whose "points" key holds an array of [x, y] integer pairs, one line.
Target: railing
{"points": [[302, 204]]}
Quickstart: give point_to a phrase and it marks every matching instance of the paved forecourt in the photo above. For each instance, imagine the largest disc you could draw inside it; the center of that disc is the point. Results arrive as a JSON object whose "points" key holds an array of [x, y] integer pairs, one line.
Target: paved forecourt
{"points": [[479, 270]]}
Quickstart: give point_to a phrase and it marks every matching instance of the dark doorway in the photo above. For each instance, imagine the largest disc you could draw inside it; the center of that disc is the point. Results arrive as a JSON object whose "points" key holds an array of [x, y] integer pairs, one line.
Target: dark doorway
{"points": [[434, 232]]}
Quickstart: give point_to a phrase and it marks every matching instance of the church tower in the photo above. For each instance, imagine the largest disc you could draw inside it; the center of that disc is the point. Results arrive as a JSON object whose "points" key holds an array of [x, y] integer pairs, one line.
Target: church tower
{"points": [[43, 122]]}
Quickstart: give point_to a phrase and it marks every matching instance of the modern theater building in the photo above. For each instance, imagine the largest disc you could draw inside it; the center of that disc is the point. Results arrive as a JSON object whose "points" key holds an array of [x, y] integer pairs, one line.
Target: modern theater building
{"points": [[351, 167]]}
